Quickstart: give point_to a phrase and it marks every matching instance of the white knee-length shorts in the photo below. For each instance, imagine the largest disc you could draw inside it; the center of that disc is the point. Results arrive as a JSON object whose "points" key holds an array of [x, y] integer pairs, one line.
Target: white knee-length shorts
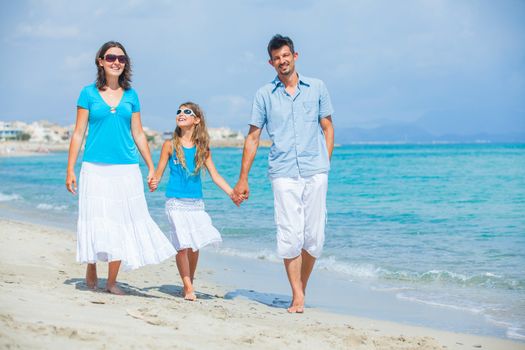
{"points": [[300, 214]]}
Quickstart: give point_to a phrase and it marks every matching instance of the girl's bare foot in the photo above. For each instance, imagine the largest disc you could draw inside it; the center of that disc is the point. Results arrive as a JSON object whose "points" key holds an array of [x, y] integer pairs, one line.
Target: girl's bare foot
{"points": [[114, 289], [91, 276], [190, 296], [297, 306]]}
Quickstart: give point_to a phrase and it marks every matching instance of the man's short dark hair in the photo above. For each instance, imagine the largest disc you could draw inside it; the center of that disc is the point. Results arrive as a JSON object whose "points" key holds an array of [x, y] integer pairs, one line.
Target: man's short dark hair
{"points": [[279, 41]]}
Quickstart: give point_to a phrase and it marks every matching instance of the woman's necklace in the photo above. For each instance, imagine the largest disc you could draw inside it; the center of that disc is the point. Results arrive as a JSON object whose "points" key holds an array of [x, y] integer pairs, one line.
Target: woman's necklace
{"points": [[113, 109]]}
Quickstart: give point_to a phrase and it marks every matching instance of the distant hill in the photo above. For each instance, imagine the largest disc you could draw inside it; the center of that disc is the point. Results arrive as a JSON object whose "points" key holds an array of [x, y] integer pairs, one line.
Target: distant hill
{"points": [[411, 133]]}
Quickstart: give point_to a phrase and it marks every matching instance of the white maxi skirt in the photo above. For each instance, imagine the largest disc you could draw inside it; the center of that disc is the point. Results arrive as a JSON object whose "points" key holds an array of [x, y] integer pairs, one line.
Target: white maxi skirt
{"points": [[113, 219], [191, 226]]}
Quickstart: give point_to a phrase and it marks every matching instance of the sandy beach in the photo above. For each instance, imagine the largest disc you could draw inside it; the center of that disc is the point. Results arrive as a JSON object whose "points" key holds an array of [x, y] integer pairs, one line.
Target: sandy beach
{"points": [[44, 304], [24, 149]]}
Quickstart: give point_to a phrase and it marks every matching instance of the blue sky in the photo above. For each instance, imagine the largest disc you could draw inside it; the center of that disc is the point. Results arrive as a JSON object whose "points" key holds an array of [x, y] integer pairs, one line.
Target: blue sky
{"points": [[455, 67]]}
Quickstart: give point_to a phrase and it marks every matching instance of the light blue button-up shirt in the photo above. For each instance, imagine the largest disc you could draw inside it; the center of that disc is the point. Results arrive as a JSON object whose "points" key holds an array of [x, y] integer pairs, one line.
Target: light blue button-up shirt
{"points": [[299, 147]]}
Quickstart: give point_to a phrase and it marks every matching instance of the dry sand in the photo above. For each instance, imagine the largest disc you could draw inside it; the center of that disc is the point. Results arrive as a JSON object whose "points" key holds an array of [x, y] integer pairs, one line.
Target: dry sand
{"points": [[44, 305], [28, 148]]}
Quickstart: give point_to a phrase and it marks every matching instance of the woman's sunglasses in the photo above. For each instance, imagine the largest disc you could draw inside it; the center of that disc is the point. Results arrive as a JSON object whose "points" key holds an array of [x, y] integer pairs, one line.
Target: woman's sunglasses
{"points": [[112, 58], [186, 111]]}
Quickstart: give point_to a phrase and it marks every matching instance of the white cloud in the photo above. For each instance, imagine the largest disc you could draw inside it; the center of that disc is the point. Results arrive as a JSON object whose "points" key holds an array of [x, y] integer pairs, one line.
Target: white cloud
{"points": [[46, 30]]}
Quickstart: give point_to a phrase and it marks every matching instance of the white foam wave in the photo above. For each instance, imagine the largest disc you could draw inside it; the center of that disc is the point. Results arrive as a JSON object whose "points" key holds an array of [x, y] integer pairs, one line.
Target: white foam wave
{"points": [[390, 289], [263, 254], [486, 279], [9, 197], [473, 310], [367, 271], [514, 333], [45, 206]]}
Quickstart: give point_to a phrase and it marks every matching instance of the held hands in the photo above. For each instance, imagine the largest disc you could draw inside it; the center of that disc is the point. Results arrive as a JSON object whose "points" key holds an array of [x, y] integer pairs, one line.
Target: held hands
{"points": [[153, 182], [240, 192]]}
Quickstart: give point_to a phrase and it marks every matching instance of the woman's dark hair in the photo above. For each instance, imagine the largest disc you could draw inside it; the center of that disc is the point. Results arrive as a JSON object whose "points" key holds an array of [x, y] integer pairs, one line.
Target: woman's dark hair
{"points": [[279, 41], [124, 80]]}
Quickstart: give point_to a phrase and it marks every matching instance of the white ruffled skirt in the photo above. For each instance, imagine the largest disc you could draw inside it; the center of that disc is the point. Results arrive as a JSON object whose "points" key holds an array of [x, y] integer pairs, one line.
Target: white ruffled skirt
{"points": [[191, 226], [113, 219]]}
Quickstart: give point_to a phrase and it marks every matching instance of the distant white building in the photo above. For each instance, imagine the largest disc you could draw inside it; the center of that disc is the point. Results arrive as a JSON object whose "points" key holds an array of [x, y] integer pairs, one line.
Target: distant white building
{"points": [[44, 131], [219, 134], [49, 133], [10, 131], [41, 131]]}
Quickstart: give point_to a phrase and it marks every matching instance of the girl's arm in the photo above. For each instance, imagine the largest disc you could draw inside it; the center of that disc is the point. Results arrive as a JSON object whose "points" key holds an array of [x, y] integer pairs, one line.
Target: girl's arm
{"points": [[161, 166], [163, 161], [74, 148], [219, 181], [142, 143]]}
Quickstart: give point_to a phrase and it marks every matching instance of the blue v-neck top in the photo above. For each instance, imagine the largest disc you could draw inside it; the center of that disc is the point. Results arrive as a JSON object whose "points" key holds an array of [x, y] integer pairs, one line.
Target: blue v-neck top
{"points": [[109, 137]]}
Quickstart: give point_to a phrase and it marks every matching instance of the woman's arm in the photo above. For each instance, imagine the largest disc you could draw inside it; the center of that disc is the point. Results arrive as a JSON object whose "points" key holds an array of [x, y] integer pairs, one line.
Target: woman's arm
{"points": [[163, 161], [142, 143], [217, 179], [74, 148]]}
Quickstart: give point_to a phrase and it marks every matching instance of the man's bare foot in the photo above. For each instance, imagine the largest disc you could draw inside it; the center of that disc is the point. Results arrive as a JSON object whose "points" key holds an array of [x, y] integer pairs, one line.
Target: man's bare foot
{"points": [[91, 276], [114, 289], [190, 296], [296, 309], [297, 305]]}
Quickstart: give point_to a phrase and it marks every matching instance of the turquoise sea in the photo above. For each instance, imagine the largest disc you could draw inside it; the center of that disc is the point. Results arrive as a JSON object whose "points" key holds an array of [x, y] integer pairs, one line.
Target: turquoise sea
{"points": [[440, 225]]}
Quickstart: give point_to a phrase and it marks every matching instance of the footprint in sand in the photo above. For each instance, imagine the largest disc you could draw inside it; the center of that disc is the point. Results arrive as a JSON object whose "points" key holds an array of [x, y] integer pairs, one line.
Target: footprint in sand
{"points": [[146, 315]]}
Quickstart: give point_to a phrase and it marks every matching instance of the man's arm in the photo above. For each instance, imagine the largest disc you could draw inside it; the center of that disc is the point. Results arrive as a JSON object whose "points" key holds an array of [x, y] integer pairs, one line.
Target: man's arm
{"points": [[328, 131], [251, 144]]}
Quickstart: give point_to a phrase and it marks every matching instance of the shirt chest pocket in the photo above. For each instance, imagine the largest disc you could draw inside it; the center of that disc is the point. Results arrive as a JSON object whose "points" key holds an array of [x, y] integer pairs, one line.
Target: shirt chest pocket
{"points": [[311, 111]]}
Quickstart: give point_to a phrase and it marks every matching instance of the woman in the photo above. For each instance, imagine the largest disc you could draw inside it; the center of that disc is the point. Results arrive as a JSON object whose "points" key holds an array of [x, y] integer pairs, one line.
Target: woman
{"points": [[114, 224]]}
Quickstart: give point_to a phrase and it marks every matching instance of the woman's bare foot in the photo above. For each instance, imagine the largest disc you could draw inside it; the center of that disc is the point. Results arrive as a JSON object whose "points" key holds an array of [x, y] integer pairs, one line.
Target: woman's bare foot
{"points": [[91, 276], [114, 289]]}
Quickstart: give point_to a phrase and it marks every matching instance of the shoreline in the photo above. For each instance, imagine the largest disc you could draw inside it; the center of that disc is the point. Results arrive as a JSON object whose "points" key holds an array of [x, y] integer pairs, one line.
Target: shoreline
{"points": [[28, 149], [44, 303]]}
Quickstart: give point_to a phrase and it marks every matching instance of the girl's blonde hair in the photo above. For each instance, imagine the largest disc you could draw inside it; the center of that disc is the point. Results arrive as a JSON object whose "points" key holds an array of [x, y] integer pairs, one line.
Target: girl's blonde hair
{"points": [[200, 138]]}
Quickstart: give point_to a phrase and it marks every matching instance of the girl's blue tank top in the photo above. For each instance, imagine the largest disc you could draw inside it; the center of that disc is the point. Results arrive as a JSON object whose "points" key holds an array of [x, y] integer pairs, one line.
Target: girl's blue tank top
{"points": [[183, 183]]}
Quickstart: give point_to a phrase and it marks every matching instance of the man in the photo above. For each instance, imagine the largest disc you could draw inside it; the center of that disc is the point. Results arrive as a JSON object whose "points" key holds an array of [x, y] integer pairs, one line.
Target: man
{"points": [[296, 111]]}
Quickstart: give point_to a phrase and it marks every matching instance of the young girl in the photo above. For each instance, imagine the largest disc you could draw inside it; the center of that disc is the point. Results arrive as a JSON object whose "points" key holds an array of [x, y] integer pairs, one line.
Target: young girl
{"points": [[188, 155]]}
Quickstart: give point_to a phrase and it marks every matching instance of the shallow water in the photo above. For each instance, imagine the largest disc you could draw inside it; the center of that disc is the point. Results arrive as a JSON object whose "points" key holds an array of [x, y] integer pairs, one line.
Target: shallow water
{"points": [[441, 225]]}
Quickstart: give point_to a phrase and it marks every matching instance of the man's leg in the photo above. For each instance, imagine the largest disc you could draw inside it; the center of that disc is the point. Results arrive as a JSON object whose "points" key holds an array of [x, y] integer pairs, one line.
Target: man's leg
{"points": [[289, 219], [314, 199], [307, 266], [293, 270]]}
